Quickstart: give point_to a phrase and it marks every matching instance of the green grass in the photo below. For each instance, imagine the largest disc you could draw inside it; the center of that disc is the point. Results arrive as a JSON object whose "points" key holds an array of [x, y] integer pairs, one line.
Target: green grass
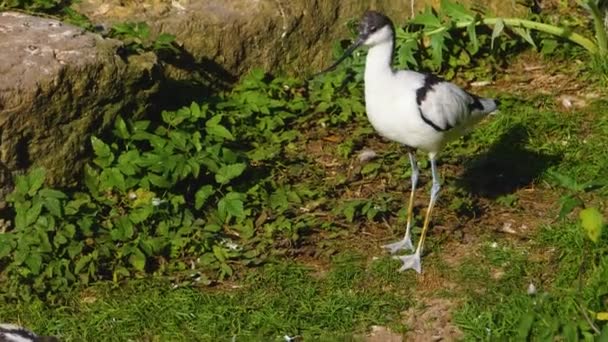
{"points": [[506, 311], [573, 275], [276, 300], [514, 149]]}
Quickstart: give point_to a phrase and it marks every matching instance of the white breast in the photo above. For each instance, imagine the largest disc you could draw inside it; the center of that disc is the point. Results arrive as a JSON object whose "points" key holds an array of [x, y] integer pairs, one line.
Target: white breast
{"points": [[390, 101]]}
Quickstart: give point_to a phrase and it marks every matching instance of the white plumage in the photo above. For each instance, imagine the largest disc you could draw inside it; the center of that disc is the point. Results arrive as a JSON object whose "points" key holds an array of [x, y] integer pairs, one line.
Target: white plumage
{"points": [[15, 333], [420, 111], [391, 100]]}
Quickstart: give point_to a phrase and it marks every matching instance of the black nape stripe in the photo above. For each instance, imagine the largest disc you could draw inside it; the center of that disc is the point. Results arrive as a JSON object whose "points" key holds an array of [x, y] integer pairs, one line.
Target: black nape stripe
{"points": [[429, 81], [476, 104], [432, 124]]}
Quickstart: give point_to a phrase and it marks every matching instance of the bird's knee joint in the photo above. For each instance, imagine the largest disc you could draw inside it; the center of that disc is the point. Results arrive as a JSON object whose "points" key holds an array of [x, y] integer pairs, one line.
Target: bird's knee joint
{"points": [[435, 189], [415, 174]]}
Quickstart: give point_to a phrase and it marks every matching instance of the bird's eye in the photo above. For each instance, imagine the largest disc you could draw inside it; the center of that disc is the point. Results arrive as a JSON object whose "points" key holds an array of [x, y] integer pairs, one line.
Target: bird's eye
{"points": [[372, 28]]}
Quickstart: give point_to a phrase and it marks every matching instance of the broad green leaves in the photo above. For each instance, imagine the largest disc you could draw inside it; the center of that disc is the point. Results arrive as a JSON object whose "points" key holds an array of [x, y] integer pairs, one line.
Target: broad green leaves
{"points": [[228, 172], [214, 128], [137, 38], [202, 195], [456, 11], [160, 195]]}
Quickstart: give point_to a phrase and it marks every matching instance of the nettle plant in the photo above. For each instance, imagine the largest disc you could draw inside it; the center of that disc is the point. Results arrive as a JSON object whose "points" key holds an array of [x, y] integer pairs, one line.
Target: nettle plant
{"points": [[137, 38], [184, 196]]}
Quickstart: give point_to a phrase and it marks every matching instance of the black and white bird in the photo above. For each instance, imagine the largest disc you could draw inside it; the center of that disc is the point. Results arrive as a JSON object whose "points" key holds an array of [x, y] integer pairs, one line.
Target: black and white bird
{"points": [[421, 111], [15, 333]]}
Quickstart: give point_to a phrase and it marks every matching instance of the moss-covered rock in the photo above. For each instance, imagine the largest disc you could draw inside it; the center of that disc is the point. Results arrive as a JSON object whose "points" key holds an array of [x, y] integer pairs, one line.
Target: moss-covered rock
{"points": [[59, 86]]}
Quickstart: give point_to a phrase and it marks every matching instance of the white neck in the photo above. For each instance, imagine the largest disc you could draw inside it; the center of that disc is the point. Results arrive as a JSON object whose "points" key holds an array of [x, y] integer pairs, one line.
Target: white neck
{"points": [[379, 60]]}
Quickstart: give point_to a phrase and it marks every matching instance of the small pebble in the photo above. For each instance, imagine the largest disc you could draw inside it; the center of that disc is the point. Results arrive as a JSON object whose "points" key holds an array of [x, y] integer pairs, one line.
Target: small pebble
{"points": [[531, 289], [367, 155], [480, 83]]}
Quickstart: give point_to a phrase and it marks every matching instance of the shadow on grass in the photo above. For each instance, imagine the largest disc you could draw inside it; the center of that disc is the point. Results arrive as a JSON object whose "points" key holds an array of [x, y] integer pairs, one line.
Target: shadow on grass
{"points": [[507, 166]]}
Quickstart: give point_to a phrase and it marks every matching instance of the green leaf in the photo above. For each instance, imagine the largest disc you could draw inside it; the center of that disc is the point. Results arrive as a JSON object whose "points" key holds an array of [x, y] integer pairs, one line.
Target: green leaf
{"points": [[141, 125], [604, 336], [127, 162], [113, 178], [228, 172], [525, 325], [472, 32], [406, 53], [104, 154], [123, 229], [179, 139], [498, 27], [33, 213], [427, 18], [202, 195], [219, 253], [592, 222], [159, 181], [138, 259], [75, 249], [568, 203], [34, 262], [570, 332], [20, 220], [213, 127], [226, 269], [232, 204], [140, 214], [172, 118], [35, 179], [59, 240], [52, 193], [82, 263], [548, 46], [370, 168], [21, 185], [6, 245], [257, 74], [53, 205], [456, 11], [525, 34], [195, 110], [214, 228], [279, 200], [120, 128], [350, 209], [69, 230], [165, 38], [602, 316], [437, 46], [91, 179]]}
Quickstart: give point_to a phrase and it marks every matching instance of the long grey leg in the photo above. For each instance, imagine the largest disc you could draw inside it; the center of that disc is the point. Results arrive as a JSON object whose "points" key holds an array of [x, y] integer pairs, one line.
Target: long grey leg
{"points": [[413, 261], [406, 242]]}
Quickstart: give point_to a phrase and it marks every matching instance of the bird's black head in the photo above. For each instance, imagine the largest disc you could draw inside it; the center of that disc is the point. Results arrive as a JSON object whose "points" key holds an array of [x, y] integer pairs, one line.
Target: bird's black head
{"points": [[371, 23], [374, 28]]}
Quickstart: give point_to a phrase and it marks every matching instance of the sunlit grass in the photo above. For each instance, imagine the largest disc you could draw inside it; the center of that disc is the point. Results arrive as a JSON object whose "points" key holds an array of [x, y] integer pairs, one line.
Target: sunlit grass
{"points": [[277, 300]]}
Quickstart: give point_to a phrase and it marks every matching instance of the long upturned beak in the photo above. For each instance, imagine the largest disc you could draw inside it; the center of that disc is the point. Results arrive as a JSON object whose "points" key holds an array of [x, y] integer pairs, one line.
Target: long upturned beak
{"points": [[346, 54]]}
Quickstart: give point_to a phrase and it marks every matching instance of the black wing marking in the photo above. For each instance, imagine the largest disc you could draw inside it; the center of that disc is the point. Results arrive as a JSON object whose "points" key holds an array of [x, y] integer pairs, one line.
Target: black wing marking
{"points": [[430, 81]]}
